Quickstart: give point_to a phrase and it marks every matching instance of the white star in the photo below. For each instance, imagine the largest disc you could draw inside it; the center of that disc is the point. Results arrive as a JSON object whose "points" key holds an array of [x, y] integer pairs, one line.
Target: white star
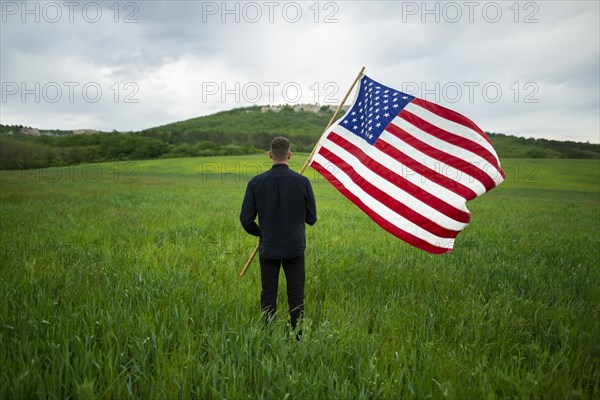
{"points": [[386, 114], [378, 125]]}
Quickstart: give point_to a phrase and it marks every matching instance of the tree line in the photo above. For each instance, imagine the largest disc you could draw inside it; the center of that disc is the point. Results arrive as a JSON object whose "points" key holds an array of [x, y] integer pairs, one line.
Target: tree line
{"points": [[234, 132]]}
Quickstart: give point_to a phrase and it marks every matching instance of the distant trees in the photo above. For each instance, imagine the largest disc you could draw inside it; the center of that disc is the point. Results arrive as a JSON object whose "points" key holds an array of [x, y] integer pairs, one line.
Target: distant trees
{"points": [[19, 151], [207, 148], [20, 154], [239, 131], [520, 147]]}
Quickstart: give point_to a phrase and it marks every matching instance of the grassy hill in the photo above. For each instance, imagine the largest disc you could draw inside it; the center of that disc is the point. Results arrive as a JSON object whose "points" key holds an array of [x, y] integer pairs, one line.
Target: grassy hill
{"points": [[508, 146], [255, 126], [234, 132], [252, 127]]}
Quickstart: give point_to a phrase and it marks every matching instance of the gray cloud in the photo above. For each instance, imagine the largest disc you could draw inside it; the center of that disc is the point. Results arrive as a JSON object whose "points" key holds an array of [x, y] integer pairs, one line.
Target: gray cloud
{"points": [[168, 54]]}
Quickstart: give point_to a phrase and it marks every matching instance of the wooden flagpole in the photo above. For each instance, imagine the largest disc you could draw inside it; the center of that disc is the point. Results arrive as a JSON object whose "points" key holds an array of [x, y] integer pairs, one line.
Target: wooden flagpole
{"points": [[312, 153]]}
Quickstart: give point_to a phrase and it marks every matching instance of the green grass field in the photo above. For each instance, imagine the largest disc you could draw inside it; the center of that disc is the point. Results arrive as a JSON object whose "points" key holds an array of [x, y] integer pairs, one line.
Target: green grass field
{"points": [[120, 280]]}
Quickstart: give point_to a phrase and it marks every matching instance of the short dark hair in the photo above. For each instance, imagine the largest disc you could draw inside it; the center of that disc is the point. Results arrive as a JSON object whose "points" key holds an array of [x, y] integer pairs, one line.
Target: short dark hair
{"points": [[280, 147]]}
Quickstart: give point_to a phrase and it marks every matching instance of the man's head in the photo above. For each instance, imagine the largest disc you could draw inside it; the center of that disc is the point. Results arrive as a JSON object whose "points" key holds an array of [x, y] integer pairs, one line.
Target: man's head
{"points": [[280, 150]]}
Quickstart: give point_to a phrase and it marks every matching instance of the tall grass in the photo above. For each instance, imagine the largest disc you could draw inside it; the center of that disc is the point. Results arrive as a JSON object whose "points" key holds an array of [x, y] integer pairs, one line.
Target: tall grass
{"points": [[123, 284]]}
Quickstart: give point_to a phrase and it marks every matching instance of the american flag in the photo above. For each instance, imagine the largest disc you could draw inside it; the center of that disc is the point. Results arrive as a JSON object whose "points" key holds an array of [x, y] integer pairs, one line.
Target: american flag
{"points": [[409, 164]]}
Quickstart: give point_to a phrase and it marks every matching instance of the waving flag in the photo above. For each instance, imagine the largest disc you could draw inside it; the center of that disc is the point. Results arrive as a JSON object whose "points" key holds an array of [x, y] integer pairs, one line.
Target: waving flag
{"points": [[410, 164]]}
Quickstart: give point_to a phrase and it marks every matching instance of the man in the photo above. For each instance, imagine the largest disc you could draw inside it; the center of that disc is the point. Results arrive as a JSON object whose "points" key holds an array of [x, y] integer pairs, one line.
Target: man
{"points": [[284, 202]]}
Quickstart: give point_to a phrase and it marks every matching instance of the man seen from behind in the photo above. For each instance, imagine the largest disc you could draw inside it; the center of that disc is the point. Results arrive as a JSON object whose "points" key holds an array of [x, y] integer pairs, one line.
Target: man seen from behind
{"points": [[284, 202]]}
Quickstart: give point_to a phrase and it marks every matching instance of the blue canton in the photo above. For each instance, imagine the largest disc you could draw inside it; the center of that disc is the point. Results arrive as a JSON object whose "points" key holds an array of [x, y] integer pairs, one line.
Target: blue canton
{"points": [[375, 107]]}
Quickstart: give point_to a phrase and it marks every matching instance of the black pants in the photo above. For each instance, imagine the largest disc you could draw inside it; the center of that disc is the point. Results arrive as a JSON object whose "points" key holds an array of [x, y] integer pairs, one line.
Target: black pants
{"points": [[294, 275]]}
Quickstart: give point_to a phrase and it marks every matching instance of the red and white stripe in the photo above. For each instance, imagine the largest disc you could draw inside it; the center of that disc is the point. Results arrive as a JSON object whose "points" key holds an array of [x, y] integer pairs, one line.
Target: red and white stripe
{"points": [[417, 177]]}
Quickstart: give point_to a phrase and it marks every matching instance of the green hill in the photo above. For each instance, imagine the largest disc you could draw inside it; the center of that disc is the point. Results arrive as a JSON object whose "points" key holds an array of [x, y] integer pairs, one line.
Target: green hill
{"points": [[250, 127], [255, 126], [235, 132], [508, 146]]}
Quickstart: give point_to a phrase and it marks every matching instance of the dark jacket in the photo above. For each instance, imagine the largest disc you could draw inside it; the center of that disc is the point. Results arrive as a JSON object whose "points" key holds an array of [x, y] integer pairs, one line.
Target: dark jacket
{"points": [[284, 202]]}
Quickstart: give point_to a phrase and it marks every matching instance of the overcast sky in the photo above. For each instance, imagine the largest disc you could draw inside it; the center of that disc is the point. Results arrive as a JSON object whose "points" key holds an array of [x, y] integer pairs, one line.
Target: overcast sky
{"points": [[522, 68]]}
